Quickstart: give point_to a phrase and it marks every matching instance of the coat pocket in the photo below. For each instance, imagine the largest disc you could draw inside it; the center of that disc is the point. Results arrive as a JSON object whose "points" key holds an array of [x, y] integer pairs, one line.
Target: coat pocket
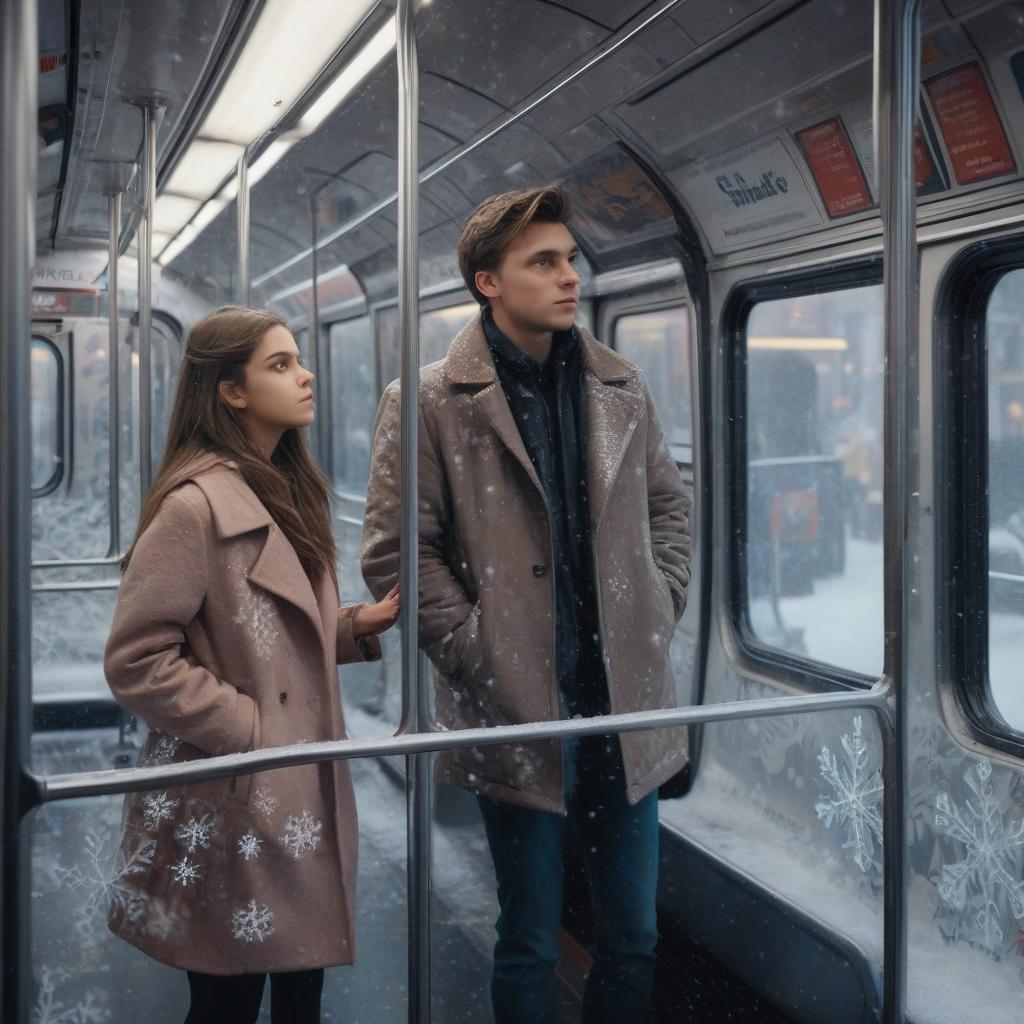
{"points": [[240, 786]]}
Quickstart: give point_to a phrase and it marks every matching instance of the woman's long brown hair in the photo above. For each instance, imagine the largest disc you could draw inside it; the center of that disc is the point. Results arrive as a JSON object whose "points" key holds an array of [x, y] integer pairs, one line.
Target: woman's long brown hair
{"points": [[290, 485]]}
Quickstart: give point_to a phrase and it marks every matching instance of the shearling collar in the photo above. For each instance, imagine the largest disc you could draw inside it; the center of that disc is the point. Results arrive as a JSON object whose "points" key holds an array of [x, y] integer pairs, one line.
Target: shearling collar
{"points": [[469, 359]]}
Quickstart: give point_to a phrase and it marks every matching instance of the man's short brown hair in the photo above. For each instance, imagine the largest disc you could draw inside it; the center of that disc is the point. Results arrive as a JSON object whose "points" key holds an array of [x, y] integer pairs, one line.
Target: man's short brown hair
{"points": [[496, 222]]}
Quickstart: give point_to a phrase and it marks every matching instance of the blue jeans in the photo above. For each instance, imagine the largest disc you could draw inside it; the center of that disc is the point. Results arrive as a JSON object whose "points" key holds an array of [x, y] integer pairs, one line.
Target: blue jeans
{"points": [[620, 846]]}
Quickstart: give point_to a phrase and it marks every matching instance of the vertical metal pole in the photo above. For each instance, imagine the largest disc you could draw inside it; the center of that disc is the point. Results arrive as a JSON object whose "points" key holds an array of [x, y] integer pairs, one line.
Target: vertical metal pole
{"points": [[316, 353], [19, 142], [243, 284], [898, 38], [145, 249], [113, 369], [418, 781]]}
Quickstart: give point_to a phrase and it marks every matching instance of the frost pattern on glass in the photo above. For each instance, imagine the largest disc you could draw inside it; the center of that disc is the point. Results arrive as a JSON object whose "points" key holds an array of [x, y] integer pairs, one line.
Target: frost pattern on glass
{"points": [[265, 801], [156, 809], [253, 922], [984, 887], [301, 834], [857, 800], [257, 614], [50, 1008], [250, 846], [106, 887], [185, 872], [195, 833]]}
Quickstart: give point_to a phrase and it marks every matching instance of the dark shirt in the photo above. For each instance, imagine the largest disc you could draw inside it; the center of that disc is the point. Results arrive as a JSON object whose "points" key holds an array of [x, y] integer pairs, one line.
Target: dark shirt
{"points": [[548, 404]]}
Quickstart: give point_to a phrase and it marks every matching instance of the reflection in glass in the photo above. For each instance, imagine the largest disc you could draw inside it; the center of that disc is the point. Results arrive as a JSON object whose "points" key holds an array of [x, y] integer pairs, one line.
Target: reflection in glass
{"points": [[45, 414], [814, 476], [1004, 336]]}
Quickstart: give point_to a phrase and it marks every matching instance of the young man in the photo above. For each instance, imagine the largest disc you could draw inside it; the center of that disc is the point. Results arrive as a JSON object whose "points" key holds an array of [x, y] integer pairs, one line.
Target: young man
{"points": [[553, 567]]}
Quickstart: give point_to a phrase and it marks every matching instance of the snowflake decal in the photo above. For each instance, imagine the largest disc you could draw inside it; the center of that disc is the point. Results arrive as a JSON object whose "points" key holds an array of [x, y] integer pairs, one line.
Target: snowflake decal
{"points": [[105, 879], [160, 920], [258, 615], [301, 834], [49, 1009], [985, 882], [195, 833], [856, 803], [185, 872], [250, 846], [253, 923], [156, 809], [265, 801], [163, 751]]}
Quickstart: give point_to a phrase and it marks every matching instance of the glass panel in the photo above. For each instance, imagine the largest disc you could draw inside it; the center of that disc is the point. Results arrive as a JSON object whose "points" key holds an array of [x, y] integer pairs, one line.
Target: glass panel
{"points": [[45, 412], [659, 343], [438, 328], [1004, 334], [354, 398], [241, 875], [814, 476]]}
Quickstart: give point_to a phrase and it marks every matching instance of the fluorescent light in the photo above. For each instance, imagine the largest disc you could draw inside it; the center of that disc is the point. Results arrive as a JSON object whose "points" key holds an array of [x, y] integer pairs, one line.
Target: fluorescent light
{"points": [[800, 344], [171, 213], [289, 35], [204, 166], [302, 286], [290, 43]]}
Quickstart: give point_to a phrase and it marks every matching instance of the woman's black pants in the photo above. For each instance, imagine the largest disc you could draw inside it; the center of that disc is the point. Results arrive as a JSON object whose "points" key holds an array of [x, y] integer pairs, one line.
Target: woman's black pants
{"points": [[236, 998]]}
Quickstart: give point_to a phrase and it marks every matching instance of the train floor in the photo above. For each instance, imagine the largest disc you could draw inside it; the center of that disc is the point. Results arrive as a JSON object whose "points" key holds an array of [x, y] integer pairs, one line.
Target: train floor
{"points": [[83, 973]]}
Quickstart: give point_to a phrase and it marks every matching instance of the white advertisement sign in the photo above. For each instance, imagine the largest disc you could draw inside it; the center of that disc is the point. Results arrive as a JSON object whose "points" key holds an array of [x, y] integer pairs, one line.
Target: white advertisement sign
{"points": [[749, 195], [70, 271]]}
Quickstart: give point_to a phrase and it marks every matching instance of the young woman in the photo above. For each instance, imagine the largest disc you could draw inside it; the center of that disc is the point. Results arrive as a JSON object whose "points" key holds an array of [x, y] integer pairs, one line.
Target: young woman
{"points": [[225, 639]]}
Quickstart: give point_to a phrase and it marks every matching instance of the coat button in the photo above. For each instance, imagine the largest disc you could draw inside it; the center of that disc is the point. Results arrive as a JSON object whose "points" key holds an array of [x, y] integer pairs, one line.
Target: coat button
{"points": [[539, 570], [283, 698]]}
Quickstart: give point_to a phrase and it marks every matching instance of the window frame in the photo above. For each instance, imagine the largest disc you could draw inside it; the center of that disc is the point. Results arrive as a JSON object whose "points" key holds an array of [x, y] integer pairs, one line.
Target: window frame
{"points": [[961, 468], [751, 654], [60, 463]]}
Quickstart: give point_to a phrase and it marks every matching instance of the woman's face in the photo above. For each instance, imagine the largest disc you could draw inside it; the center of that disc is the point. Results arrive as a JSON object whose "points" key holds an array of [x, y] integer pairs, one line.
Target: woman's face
{"points": [[276, 394]]}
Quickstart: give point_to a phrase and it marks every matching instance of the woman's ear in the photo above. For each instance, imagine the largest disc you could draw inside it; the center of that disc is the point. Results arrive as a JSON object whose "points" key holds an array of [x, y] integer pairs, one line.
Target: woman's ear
{"points": [[231, 393]]}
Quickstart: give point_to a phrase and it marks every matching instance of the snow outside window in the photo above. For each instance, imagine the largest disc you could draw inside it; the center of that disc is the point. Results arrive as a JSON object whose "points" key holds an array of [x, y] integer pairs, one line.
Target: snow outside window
{"points": [[814, 476]]}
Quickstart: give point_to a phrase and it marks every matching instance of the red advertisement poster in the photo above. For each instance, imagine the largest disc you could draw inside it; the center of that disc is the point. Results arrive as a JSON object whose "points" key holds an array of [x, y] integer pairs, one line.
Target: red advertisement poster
{"points": [[970, 125], [927, 178], [835, 167]]}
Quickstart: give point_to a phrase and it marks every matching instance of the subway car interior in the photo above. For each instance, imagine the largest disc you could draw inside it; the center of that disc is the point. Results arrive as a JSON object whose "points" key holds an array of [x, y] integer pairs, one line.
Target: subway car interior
{"points": [[802, 219]]}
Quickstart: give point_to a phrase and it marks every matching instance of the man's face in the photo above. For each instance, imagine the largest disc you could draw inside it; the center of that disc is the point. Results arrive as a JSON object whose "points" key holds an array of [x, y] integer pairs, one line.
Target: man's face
{"points": [[536, 285]]}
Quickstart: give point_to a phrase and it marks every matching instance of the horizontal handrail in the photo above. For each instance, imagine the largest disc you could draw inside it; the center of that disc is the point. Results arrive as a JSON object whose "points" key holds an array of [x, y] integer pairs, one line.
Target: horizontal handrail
{"points": [[126, 780], [54, 588], [76, 563]]}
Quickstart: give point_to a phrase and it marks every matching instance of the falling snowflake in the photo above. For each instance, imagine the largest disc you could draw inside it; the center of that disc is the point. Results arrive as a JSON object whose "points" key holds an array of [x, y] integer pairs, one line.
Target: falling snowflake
{"points": [[250, 845], [185, 872], [265, 801], [163, 751], [857, 800], [986, 880], [252, 923], [257, 615], [195, 833], [103, 874], [301, 834], [156, 809], [49, 1009]]}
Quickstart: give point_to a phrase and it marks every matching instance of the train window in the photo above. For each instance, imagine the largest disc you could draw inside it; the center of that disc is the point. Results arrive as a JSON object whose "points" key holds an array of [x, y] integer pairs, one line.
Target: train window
{"points": [[659, 343], [438, 327], [353, 402], [47, 418], [813, 482], [1004, 336]]}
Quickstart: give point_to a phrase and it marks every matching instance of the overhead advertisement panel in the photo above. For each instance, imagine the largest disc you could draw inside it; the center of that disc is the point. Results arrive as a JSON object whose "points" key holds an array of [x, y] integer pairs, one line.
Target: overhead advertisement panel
{"points": [[836, 169], [970, 125], [752, 194]]}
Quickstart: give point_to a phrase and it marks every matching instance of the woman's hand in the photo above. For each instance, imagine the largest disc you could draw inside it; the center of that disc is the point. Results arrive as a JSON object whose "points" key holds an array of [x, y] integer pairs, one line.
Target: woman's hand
{"points": [[371, 619]]}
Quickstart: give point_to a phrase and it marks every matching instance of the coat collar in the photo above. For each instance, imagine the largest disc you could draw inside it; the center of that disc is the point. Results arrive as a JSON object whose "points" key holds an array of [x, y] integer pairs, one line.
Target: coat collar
{"points": [[236, 511], [469, 358]]}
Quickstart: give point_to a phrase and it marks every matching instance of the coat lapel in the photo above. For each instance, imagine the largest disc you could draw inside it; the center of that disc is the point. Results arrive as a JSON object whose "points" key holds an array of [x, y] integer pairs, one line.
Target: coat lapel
{"points": [[236, 511], [494, 406], [612, 418]]}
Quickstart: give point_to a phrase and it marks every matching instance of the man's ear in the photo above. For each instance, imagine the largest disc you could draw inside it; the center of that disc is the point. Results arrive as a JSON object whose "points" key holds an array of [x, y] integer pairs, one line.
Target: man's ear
{"points": [[230, 393], [486, 282]]}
